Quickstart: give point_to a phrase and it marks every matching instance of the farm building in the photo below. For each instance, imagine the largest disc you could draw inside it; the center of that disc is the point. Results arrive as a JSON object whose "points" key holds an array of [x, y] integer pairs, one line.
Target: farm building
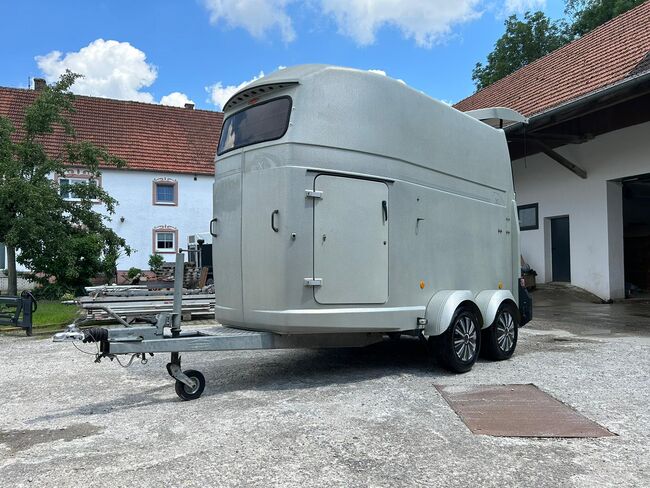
{"points": [[165, 193], [581, 166]]}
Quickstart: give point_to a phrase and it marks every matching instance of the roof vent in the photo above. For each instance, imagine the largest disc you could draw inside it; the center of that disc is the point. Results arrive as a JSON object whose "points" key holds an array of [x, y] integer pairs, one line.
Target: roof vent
{"points": [[189, 106], [39, 84]]}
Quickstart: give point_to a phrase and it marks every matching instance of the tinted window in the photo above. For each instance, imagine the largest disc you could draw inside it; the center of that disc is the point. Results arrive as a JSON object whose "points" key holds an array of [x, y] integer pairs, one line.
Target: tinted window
{"points": [[259, 123]]}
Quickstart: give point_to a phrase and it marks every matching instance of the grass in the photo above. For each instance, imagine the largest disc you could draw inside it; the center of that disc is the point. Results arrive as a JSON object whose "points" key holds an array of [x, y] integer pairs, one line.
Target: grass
{"points": [[50, 316], [53, 314]]}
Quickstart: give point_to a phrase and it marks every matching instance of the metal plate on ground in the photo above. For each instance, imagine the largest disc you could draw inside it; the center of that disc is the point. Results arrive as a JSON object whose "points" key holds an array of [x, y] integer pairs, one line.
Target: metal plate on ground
{"points": [[517, 411]]}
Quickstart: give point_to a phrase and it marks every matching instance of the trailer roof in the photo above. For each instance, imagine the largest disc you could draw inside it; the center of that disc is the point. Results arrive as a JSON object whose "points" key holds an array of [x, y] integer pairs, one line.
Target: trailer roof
{"points": [[369, 113]]}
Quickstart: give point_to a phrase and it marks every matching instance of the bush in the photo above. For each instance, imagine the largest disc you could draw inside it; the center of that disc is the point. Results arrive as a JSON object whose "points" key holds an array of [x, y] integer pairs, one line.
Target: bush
{"points": [[50, 291], [155, 262], [133, 272]]}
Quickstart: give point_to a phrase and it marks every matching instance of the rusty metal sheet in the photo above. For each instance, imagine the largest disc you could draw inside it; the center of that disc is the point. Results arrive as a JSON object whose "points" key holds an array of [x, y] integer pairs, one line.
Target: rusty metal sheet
{"points": [[517, 411]]}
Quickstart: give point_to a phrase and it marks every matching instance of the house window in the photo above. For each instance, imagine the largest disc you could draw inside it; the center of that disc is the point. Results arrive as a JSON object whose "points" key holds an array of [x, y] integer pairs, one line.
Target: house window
{"points": [[165, 192], [66, 186], [528, 216], [165, 239]]}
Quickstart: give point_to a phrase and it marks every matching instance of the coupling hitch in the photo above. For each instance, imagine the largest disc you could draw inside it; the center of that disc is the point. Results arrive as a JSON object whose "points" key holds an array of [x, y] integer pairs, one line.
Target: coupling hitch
{"points": [[73, 333]]}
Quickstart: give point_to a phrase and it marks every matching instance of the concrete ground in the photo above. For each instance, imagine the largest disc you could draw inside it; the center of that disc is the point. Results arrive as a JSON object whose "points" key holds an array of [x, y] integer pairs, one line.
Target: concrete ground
{"points": [[368, 417]]}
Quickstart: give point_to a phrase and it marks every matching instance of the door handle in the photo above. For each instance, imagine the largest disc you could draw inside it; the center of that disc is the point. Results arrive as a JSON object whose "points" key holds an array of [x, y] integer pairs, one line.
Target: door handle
{"points": [[213, 232], [273, 224], [384, 209]]}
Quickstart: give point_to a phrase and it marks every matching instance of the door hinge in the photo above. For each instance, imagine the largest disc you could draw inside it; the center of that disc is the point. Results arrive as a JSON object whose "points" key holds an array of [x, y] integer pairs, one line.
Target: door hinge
{"points": [[313, 194], [313, 281]]}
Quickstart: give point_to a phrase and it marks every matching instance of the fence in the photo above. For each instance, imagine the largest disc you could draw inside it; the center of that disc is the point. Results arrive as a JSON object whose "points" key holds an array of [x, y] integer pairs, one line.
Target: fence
{"points": [[23, 284]]}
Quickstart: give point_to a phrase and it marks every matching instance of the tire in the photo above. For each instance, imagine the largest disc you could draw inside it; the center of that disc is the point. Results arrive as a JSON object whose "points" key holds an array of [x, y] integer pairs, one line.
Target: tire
{"points": [[187, 393], [500, 339], [458, 348]]}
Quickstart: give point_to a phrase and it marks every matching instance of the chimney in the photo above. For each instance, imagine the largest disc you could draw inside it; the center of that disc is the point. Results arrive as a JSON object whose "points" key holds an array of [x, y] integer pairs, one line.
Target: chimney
{"points": [[39, 84], [189, 106]]}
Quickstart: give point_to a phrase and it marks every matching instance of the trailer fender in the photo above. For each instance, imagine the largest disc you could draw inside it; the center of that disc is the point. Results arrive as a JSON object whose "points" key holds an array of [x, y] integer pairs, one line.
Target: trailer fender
{"points": [[441, 308], [489, 301]]}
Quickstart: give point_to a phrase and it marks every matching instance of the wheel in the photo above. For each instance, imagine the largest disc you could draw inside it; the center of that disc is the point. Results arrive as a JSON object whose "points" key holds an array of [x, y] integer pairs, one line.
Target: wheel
{"points": [[500, 339], [187, 393], [458, 348]]}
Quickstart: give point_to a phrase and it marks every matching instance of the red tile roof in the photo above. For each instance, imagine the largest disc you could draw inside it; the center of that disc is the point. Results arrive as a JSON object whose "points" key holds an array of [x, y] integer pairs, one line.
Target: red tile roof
{"points": [[148, 137], [616, 50]]}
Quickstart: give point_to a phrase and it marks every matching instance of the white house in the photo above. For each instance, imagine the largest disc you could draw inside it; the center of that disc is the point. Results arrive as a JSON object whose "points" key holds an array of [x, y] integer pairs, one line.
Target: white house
{"points": [[581, 166], [165, 193]]}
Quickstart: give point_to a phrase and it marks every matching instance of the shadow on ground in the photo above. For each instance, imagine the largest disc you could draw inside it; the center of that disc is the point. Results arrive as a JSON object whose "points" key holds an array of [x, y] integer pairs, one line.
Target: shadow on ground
{"points": [[575, 310]]}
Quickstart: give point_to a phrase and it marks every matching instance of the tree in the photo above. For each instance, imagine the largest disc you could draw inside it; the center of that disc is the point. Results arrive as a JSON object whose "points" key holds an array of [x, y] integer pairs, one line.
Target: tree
{"points": [[536, 35], [58, 239], [155, 262], [524, 41], [589, 14]]}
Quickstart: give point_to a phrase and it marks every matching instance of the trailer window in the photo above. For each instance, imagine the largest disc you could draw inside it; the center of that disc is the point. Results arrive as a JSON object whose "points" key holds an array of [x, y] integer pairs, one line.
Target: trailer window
{"points": [[263, 122]]}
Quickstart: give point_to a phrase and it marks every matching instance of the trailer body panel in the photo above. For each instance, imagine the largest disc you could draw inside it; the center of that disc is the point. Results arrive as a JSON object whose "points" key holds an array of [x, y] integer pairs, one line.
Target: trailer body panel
{"points": [[449, 219]]}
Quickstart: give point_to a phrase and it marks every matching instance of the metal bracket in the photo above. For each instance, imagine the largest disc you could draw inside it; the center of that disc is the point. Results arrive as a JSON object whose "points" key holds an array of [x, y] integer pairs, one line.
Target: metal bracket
{"points": [[176, 373], [313, 281], [313, 194], [163, 320]]}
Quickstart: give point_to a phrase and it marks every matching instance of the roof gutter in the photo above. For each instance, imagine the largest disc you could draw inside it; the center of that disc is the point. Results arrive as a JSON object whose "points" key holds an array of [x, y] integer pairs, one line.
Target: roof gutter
{"points": [[556, 114]]}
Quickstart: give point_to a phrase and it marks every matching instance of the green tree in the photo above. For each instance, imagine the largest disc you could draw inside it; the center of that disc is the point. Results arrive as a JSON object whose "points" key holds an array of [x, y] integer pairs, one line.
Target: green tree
{"points": [[589, 14], [58, 239], [536, 35], [155, 262], [524, 41]]}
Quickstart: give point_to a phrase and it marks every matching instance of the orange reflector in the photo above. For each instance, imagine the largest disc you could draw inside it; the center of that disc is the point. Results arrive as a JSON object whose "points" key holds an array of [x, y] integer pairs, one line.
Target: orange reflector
{"points": [[422, 285]]}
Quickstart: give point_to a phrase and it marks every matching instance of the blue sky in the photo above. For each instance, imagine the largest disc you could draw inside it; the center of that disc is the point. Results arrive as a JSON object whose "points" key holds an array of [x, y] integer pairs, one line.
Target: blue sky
{"points": [[172, 51]]}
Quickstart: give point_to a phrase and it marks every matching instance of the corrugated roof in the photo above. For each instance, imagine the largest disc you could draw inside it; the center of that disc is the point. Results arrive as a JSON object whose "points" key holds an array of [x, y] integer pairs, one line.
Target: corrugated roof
{"points": [[148, 137], [615, 51]]}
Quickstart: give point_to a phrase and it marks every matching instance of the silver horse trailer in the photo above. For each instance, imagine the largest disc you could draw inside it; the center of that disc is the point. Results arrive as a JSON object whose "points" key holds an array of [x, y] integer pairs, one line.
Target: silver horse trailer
{"points": [[348, 207]]}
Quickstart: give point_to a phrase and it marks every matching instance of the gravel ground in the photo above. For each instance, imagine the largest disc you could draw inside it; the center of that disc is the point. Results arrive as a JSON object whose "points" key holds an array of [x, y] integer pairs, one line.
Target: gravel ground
{"points": [[359, 417]]}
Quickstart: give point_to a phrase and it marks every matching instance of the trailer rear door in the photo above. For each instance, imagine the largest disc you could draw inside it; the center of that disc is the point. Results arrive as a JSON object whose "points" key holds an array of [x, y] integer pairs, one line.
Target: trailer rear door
{"points": [[226, 249], [351, 240]]}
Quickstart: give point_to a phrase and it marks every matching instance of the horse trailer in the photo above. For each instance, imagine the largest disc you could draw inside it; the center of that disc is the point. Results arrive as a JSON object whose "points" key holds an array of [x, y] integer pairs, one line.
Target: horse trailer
{"points": [[349, 207]]}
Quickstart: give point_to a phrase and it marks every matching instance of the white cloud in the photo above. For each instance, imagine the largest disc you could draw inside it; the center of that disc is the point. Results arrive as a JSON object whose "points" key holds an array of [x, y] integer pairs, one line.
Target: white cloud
{"points": [[175, 99], [425, 21], [256, 16], [520, 6], [110, 69], [220, 94]]}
